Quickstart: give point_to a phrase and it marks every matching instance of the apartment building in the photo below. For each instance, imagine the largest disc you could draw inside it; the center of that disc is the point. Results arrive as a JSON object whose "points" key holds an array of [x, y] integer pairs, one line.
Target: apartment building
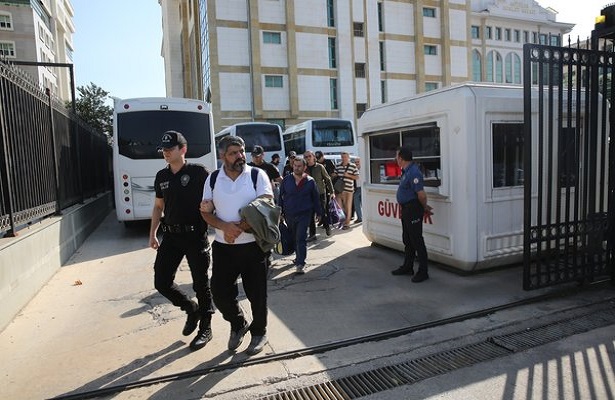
{"points": [[39, 31], [285, 61]]}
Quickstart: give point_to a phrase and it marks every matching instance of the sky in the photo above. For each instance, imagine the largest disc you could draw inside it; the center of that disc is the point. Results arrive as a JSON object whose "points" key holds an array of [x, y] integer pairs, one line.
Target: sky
{"points": [[117, 42], [117, 46]]}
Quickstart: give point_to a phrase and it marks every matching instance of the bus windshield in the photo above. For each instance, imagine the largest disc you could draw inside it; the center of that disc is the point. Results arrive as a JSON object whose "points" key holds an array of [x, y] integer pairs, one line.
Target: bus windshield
{"points": [[332, 133], [265, 135], [139, 132]]}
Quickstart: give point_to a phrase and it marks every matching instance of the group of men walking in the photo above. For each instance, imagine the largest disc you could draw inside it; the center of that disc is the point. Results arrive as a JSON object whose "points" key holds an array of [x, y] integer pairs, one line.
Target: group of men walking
{"points": [[238, 201]]}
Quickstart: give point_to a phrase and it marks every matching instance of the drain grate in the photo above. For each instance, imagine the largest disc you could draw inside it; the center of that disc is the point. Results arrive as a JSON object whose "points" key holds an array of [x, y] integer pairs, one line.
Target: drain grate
{"points": [[389, 377]]}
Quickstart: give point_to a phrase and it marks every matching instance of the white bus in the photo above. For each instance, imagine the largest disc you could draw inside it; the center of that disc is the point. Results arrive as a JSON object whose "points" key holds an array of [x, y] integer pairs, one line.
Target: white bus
{"points": [[264, 134], [138, 126], [329, 135]]}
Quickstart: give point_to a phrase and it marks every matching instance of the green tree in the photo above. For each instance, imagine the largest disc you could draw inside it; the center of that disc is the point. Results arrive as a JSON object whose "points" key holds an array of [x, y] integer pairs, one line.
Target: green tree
{"points": [[91, 108]]}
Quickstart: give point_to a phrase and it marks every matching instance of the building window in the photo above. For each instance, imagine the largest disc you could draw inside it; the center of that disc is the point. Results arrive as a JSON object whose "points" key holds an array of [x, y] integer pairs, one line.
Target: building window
{"points": [[534, 37], [383, 91], [429, 12], [476, 66], [498, 33], [555, 40], [430, 49], [6, 22], [488, 32], [543, 38], [507, 35], [512, 65], [359, 70], [358, 29], [333, 93], [330, 14], [429, 86], [332, 53], [517, 36], [382, 55], [361, 107], [475, 32], [274, 81], [526, 36], [380, 17], [507, 154], [272, 37], [7, 49], [494, 67]]}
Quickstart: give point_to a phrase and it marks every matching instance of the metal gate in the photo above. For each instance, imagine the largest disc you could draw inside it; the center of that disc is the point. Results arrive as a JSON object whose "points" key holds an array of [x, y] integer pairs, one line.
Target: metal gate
{"points": [[568, 165]]}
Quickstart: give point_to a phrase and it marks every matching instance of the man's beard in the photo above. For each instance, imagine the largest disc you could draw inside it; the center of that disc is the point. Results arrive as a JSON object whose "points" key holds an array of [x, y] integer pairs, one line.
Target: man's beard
{"points": [[238, 165]]}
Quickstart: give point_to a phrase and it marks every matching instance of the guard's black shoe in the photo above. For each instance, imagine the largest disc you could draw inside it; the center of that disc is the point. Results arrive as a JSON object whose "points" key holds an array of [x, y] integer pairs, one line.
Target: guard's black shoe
{"points": [[192, 321], [420, 277], [403, 271], [201, 339]]}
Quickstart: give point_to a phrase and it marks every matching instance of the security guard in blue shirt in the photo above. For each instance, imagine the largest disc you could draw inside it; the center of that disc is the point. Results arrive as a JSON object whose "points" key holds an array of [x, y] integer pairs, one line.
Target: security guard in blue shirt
{"points": [[179, 189], [413, 202]]}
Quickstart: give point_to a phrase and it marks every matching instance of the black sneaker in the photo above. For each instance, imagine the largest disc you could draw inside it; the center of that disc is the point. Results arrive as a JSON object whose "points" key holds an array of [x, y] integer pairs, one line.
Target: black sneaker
{"points": [[192, 321], [201, 339], [257, 344], [236, 337], [420, 277], [403, 271]]}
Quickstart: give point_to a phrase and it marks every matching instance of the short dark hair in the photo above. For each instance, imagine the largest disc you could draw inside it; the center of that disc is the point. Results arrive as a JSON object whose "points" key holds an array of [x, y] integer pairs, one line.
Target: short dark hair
{"points": [[405, 152], [228, 141], [318, 154]]}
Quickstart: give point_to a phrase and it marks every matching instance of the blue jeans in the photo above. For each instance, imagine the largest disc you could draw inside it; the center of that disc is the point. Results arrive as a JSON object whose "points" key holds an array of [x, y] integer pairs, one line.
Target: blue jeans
{"points": [[298, 225], [356, 202]]}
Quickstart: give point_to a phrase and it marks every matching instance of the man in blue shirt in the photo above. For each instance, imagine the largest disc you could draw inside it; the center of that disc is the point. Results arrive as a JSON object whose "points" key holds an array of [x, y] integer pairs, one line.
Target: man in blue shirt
{"points": [[413, 202], [299, 200]]}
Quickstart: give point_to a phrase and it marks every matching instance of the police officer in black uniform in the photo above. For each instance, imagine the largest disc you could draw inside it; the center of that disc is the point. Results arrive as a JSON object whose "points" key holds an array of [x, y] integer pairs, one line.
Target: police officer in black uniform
{"points": [[413, 200], [179, 190]]}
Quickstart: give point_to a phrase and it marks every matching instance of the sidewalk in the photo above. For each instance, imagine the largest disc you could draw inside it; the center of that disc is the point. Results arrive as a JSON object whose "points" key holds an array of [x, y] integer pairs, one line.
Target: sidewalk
{"points": [[99, 322]]}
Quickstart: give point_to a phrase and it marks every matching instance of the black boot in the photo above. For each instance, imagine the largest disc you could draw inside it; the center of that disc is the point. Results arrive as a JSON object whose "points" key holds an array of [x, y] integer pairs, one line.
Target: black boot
{"points": [[403, 271], [203, 336]]}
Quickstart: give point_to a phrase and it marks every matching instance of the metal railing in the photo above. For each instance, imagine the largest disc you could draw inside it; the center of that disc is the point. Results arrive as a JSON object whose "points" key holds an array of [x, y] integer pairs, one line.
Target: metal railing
{"points": [[49, 158]]}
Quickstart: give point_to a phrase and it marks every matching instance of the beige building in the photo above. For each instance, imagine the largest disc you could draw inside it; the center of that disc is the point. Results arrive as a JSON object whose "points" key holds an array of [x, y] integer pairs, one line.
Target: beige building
{"points": [[39, 31], [286, 61]]}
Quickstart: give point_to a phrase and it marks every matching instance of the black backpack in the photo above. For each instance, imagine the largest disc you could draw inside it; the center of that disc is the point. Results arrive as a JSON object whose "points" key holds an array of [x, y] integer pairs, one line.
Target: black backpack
{"points": [[214, 176]]}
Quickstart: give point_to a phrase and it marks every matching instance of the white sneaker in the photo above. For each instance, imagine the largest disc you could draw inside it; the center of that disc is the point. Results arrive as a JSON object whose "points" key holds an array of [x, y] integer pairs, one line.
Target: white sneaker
{"points": [[300, 269]]}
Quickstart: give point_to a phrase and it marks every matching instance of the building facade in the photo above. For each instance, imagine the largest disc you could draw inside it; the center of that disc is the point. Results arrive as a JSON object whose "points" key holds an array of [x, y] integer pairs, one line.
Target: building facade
{"points": [[39, 31], [285, 61]]}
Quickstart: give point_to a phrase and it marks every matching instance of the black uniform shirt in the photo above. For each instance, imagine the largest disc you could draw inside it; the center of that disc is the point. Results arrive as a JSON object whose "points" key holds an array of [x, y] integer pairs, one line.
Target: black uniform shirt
{"points": [[182, 193], [270, 169]]}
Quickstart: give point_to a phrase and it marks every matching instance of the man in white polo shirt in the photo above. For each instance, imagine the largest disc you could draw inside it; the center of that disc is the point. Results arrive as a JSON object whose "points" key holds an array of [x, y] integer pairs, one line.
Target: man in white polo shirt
{"points": [[235, 252]]}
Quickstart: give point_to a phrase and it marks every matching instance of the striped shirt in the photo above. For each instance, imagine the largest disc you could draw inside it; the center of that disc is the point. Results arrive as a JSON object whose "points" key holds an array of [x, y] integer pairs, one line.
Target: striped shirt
{"points": [[350, 168]]}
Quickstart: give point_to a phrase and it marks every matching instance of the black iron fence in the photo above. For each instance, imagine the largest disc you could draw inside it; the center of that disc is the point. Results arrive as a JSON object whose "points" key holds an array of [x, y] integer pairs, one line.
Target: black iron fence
{"points": [[569, 165], [50, 160]]}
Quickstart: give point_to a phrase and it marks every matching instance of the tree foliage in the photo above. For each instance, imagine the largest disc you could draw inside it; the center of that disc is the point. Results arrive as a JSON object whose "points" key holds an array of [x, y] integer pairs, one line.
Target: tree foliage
{"points": [[90, 107]]}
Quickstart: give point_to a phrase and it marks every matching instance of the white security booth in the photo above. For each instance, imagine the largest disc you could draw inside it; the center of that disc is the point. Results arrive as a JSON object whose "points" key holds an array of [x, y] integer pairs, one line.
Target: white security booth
{"points": [[468, 140]]}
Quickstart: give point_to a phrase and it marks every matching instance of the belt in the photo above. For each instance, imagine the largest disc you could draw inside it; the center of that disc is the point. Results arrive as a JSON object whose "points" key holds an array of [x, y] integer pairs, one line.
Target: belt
{"points": [[179, 228]]}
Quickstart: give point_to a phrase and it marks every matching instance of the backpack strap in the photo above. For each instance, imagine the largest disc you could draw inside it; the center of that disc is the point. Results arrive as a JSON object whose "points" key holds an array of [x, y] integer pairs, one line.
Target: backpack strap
{"points": [[214, 176], [212, 179], [254, 176]]}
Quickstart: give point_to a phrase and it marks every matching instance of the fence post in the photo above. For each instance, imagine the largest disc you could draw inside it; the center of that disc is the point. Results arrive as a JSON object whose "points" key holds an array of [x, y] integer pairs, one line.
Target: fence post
{"points": [[7, 198], [56, 171]]}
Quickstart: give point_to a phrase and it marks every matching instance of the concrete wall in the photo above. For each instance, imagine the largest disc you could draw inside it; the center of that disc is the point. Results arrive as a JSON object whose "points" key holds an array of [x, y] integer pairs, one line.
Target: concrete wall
{"points": [[29, 260]]}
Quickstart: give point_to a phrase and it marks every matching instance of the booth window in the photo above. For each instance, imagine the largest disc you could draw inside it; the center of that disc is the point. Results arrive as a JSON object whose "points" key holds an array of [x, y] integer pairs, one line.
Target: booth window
{"points": [[568, 162], [425, 143], [507, 154]]}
